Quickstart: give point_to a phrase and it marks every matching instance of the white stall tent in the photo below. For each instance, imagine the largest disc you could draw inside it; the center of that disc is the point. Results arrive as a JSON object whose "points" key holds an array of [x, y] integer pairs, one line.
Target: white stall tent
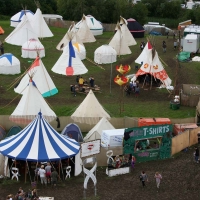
{"points": [[9, 64], [112, 138], [191, 43], [32, 48]]}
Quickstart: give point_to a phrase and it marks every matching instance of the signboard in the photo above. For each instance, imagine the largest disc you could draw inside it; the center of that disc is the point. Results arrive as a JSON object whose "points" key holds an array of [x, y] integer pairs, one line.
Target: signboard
{"points": [[149, 131], [147, 155], [90, 148]]}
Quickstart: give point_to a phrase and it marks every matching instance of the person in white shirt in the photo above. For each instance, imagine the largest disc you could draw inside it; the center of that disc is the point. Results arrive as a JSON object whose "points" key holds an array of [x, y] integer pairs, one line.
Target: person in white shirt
{"points": [[42, 174]]}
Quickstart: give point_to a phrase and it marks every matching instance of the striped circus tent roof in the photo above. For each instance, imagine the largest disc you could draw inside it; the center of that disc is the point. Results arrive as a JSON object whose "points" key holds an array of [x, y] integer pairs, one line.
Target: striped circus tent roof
{"points": [[39, 142]]}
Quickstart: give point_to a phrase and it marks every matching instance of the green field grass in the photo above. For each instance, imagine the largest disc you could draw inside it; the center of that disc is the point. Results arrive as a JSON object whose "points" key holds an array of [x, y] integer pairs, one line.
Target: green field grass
{"points": [[151, 103]]}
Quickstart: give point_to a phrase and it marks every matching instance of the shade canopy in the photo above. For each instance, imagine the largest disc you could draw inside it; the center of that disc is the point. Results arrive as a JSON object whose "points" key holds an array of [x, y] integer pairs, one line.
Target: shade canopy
{"points": [[9, 64], [39, 142], [90, 111], [105, 54], [41, 77], [69, 63], [32, 48], [17, 18]]}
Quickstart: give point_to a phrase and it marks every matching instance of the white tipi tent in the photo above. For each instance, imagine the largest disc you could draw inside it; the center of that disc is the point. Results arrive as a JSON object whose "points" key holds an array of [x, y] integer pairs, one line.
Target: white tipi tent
{"points": [[89, 111], [22, 33], [32, 48], [9, 64], [30, 104], [152, 65], [40, 26], [119, 43], [41, 77], [84, 32], [95, 132], [130, 40], [69, 62], [105, 54], [94, 25], [80, 50], [17, 18]]}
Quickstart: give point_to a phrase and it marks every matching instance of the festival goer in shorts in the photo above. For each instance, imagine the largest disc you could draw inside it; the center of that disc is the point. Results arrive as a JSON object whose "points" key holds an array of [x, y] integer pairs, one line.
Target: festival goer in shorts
{"points": [[158, 178], [48, 172], [42, 174]]}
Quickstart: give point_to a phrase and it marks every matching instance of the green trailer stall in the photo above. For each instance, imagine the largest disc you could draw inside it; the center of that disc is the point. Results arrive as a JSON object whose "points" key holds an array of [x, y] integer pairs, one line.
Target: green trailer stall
{"points": [[148, 142]]}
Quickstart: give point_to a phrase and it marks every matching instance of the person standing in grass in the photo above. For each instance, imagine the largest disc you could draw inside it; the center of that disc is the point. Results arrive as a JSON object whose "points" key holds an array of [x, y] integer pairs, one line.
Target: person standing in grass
{"points": [[158, 178], [164, 46], [54, 177]]}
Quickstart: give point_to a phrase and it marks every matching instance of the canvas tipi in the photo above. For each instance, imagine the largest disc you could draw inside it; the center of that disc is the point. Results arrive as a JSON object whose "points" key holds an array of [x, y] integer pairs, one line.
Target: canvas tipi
{"points": [[17, 18], [30, 104], [69, 63], [126, 33], [152, 65], [32, 48], [119, 43], [90, 110], [84, 32], [22, 33], [94, 25], [1, 31], [95, 132], [44, 82], [39, 25]]}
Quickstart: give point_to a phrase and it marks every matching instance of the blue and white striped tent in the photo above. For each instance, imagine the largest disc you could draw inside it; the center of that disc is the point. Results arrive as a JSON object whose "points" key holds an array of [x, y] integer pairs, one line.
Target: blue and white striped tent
{"points": [[39, 142]]}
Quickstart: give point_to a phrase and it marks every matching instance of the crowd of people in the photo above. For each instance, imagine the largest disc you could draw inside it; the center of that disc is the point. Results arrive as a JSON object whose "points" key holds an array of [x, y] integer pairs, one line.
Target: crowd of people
{"points": [[132, 87]]}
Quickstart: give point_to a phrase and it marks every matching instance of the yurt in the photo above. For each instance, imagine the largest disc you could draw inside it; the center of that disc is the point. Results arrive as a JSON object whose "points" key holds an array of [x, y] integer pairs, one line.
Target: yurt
{"points": [[135, 28], [16, 19], [94, 25], [9, 64], [1, 31], [80, 50], [105, 54], [32, 48]]}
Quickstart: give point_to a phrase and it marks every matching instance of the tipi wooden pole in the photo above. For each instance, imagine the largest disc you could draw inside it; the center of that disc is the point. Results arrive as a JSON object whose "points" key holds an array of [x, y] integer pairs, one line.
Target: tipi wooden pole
{"points": [[25, 172]]}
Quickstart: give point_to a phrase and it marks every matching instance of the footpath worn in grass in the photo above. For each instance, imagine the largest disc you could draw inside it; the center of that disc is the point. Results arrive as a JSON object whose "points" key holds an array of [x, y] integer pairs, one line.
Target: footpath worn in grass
{"points": [[150, 103]]}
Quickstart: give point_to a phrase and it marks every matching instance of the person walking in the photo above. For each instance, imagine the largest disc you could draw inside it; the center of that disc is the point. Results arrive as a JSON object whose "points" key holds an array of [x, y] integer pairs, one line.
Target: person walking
{"points": [[48, 172], [42, 174], [196, 154], [175, 44], [158, 178], [143, 178], [54, 177]]}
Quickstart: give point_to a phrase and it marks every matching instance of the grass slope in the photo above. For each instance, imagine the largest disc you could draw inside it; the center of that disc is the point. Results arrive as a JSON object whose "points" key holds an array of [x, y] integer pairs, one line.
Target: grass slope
{"points": [[151, 103]]}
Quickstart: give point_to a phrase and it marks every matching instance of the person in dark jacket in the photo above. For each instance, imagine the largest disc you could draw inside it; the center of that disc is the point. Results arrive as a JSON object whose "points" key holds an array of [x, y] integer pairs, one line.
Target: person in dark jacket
{"points": [[196, 154]]}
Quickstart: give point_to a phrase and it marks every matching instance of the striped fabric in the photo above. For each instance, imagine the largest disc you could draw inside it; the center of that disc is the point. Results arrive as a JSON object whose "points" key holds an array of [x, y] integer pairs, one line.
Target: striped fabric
{"points": [[39, 142]]}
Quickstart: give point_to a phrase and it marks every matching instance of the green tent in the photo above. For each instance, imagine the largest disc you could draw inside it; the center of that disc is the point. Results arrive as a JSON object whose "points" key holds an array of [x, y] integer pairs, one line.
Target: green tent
{"points": [[13, 131], [184, 56]]}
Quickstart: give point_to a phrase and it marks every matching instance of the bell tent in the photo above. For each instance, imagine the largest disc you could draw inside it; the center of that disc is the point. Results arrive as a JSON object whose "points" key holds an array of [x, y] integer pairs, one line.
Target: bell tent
{"points": [[152, 65], [17, 18], [9, 64], [40, 26], [22, 33], [69, 62], [80, 50], [39, 142], [32, 48], [96, 131], [89, 111], [13, 131], [129, 39], [73, 131], [30, 104], [41, 77], [2, 132], [105, 54], [1, 31], [135, 28], [84, 32], [119, 43], [94, 25]]}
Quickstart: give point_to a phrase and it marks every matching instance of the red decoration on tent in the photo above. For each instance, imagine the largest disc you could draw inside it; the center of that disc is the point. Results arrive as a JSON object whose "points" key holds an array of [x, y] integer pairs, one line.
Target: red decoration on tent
{"points": [[149, 45], [123, 69], [146, 65], [121, 80], [69, 71], [36, 63], [155, 67]]}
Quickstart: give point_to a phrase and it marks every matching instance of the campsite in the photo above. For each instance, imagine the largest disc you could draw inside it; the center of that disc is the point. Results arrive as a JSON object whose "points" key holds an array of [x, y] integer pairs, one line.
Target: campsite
{"points": [[179, 171]]}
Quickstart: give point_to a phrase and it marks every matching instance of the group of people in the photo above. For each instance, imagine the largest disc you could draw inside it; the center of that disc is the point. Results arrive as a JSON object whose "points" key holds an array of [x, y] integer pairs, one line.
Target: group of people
{"points": [[132, 87], [176, 43], [80, 81], [47, 175]]}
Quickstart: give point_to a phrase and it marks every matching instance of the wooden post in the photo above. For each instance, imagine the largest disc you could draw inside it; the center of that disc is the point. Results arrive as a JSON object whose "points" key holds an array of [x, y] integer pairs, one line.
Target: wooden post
{"points": [[59, 169], [25, 171]]}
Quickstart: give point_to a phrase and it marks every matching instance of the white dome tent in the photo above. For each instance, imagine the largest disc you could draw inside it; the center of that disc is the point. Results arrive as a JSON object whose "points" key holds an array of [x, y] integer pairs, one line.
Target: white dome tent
{"points": [[105, 54], [9, 64], [16, 19], [32, 48], [80, 50], [94, 25]]}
